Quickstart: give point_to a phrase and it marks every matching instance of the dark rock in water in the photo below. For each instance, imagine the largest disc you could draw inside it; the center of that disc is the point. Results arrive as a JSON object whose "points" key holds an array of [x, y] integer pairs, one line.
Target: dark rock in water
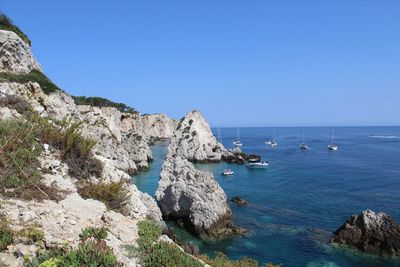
{"points": [[238, 200], [370, 232]]}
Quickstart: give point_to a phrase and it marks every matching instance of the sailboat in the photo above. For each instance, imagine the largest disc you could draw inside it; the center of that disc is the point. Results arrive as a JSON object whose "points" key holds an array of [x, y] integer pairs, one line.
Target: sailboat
{"points": [[331, 145], [219, 135], [302, 144], [272, 142], [237, 141]]}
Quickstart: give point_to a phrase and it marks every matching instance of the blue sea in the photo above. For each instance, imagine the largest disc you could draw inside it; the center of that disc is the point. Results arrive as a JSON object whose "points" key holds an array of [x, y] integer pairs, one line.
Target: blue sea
{"points": [[303, 196]]}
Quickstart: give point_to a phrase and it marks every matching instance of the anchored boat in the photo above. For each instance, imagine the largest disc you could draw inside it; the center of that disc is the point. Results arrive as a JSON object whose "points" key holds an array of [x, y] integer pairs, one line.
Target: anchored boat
{"points": [[254, 162], [331, 145]]}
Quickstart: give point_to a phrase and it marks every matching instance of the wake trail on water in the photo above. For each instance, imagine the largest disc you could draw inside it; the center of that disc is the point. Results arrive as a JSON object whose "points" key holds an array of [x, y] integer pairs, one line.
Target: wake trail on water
{"points": [[385, 136]]}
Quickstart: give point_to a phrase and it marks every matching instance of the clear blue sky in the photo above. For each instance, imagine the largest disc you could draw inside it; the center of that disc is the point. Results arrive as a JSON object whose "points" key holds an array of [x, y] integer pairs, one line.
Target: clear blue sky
{"points": [[248, 63]]}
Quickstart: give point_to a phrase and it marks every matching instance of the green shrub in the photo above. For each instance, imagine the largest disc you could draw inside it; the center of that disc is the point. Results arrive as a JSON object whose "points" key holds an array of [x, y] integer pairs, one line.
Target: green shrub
{"points": [[75, 149], [6, 237], [7, 25], [102, 102], [153, 253], [33, 76], [114, 194], [94, 232], [168, 254], [20, 147], [149, 232], [32, 233], [91, 252]]}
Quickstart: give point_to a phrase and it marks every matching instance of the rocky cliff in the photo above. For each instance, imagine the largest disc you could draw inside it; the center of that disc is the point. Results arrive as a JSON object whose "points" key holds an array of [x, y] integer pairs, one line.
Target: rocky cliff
{"points": [[189, 196], [121, 147], [15, 54]]}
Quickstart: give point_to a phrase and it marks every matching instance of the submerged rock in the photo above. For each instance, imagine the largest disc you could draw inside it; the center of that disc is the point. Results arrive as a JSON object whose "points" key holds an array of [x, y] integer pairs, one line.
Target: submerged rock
{"points": [[371, 232], [194, 199], [240, 201]]}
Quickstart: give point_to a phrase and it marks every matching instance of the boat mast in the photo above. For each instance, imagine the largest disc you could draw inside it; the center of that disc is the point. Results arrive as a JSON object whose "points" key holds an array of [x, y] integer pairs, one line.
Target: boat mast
{"points": [[219, 135], [238, 133], [331, 137], [301, 135]]}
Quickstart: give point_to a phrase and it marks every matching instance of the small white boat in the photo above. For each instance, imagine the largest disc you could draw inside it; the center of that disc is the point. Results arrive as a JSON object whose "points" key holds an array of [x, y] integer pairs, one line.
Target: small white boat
{"points": [[237, 143], [273, 144], [304, 146], [258, 165], [331, 145], [227, 172], [268, 143]]}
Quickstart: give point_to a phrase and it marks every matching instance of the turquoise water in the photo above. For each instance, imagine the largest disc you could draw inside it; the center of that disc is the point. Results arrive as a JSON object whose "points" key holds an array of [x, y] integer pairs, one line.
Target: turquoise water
{"points": [[304, 195]]}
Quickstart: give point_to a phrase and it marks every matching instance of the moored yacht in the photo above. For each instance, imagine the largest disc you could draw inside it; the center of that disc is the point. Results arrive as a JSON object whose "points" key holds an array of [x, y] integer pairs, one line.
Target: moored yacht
{"points": [[331, 145], [237, 141], [256, 163], [302, 144]]}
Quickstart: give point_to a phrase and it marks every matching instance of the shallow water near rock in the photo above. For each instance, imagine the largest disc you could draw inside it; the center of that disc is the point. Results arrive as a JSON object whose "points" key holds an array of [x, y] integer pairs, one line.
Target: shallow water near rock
{"points": [[303, 196]]}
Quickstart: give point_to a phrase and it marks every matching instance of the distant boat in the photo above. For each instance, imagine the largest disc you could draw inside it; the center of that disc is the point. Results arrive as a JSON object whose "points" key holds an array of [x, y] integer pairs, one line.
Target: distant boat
{"points": [[302, 144], [227, 172], [256, 163], [237, 141], [272, 142], [331, 145]]}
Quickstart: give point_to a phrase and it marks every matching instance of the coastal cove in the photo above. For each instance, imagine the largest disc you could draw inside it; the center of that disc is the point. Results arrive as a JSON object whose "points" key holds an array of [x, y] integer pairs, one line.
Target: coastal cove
{"points": [[304, 196]]}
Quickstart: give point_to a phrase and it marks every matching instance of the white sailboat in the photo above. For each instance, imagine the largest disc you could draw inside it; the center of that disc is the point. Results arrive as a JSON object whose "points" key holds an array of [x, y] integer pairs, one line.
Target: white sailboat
{"points": [[272, 142], [237, 141], [331, 145], [302, 144]]}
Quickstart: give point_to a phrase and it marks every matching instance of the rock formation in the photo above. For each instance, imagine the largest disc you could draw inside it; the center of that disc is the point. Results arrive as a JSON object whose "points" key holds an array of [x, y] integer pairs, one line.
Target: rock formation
{"points": [[189, 196], [123, 146], [371, 232], [194, 199], [194, 140], [159, 126], [15, 54]]}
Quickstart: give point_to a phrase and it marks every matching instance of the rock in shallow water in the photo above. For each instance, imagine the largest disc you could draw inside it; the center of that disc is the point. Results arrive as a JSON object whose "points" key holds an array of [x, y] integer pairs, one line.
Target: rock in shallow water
{"points": [[240, 201], [194, 199], [371, 232]]}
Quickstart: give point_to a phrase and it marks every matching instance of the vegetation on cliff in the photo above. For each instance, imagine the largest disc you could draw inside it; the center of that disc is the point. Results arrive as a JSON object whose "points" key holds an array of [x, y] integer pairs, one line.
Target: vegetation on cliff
{"points": [[33, 76], [114, 194], [92, 251], [102, 102], [162, 253], [21, 143], [7, 25]]}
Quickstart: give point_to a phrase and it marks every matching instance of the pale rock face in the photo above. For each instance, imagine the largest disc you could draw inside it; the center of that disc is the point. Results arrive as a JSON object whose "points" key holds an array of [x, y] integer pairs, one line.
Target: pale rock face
{"points": [[194, 198], [15, 54], [194, 140], [159, 126]]}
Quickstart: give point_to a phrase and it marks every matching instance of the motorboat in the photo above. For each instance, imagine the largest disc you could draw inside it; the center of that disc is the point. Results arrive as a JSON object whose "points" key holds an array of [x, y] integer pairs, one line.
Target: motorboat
{"points": [[227, 172], [254, 162], [258, 165]]}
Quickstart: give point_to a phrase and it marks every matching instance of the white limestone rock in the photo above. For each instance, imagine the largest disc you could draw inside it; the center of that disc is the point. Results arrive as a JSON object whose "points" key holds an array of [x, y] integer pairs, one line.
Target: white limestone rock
{"points": [[159, 126], [194, 199], [15, 54]]}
